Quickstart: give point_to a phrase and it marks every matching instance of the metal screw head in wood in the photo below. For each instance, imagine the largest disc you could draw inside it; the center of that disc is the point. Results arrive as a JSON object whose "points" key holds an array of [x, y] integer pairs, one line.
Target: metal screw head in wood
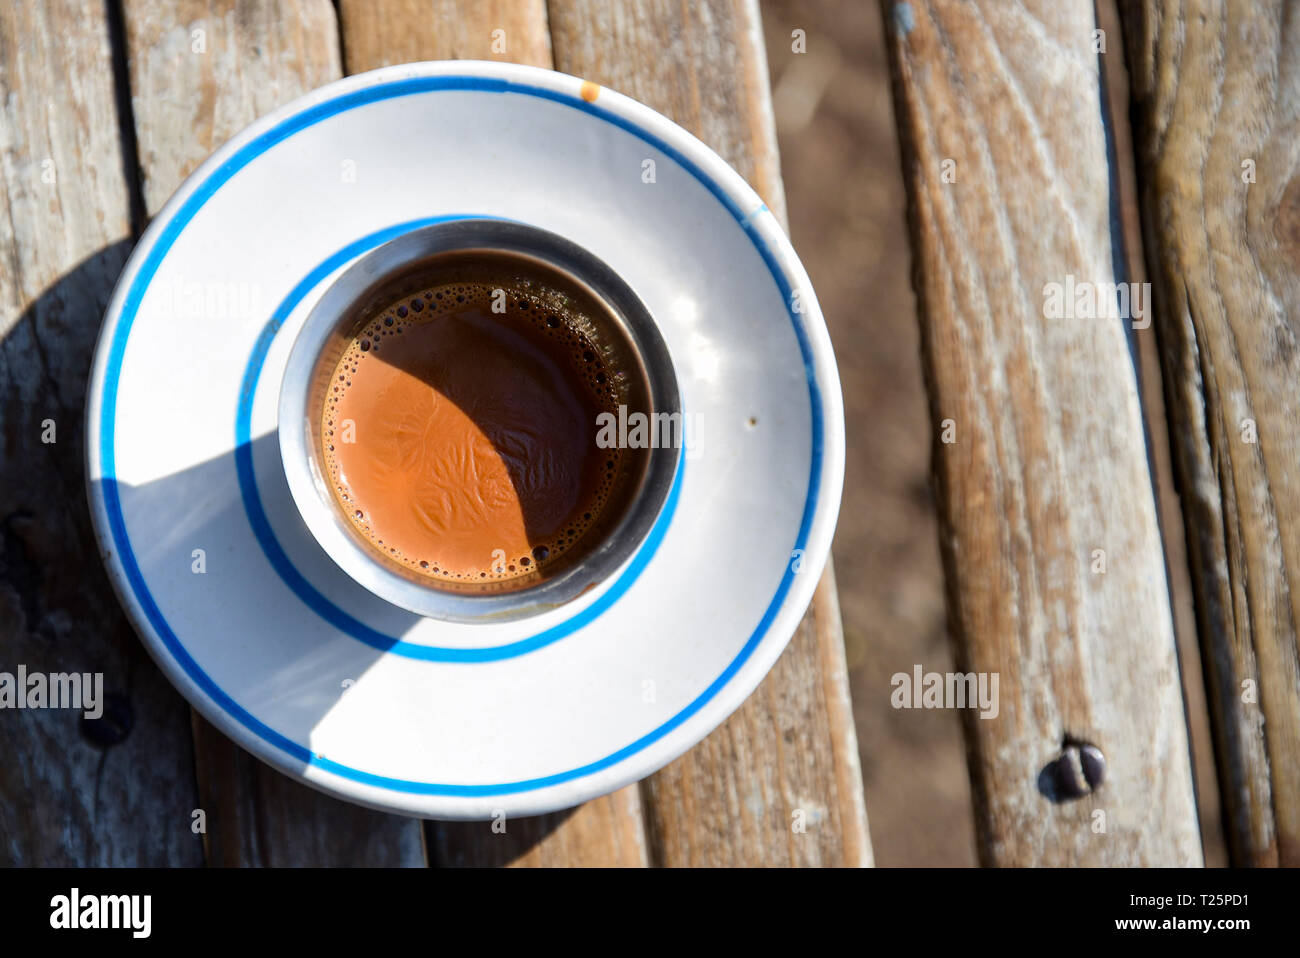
{"points": [[1078, 771]]}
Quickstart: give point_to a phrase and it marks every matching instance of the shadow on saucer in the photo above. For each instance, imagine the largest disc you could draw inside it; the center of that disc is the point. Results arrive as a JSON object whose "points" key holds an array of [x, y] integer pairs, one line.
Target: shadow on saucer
{"points": [[59, 613]]}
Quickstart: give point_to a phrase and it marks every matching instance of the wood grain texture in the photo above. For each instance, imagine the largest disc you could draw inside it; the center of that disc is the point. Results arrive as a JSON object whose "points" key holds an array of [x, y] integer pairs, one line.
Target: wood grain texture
{"points": [[1151, 385], [1216, 85], [202, 70], [609, 831], [188, 98], [64, 235], [1048, 461], [791, 749], [384, 32]]}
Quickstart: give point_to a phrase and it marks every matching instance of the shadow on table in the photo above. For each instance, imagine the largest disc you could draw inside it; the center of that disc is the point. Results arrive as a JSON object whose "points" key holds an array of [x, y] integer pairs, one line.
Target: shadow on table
{"points": [[113, 791]]}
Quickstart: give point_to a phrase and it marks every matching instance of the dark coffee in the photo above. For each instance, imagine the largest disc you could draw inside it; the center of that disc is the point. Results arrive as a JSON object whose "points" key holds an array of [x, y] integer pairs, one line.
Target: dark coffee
{"points": [[459, 432]]}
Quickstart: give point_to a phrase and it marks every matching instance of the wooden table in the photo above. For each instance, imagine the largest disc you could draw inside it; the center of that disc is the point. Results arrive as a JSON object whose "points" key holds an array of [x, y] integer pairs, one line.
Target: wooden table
{"points": [[1024, 168], [106, 108]]}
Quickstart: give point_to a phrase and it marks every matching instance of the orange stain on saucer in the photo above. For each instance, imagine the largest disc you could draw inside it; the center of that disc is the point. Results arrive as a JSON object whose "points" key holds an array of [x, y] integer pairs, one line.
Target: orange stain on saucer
{"points": [[589, 91]]}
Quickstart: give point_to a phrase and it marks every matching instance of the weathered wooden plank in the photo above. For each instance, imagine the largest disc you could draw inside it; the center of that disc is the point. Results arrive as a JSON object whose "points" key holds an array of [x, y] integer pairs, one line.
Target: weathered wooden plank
{"points": [[1150, 382], [608, 831], [733, 799], [1216, 89], [377, 34], [1055, 576], [200, 71], [64, 235]]}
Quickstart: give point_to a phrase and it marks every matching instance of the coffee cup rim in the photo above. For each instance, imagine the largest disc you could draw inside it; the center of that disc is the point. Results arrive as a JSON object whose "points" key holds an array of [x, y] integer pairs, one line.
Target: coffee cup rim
{"points": [[310, 489]]}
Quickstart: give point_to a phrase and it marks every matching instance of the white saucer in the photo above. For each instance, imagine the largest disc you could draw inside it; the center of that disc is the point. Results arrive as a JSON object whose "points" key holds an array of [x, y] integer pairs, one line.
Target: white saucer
{"points": [[271, 641]]}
